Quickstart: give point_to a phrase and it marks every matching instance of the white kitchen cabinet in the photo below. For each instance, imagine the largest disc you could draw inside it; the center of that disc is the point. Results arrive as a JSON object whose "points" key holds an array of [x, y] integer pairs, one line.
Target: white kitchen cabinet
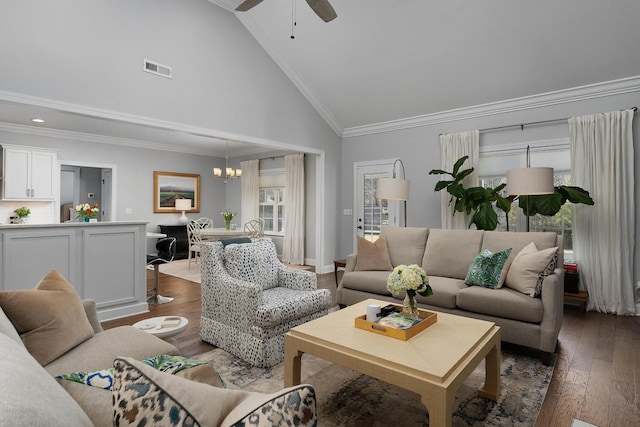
{"points": [[28, 174]]}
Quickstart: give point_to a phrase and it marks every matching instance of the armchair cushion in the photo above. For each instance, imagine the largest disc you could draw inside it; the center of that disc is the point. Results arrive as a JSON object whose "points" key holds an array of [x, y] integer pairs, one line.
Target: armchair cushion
{"points": [[282, 305], [254, 262], [142, 395]]}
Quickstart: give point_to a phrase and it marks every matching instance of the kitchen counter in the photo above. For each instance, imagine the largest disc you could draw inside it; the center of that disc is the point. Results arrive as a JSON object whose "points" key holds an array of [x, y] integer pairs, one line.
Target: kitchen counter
{"points": [[104, 261]]}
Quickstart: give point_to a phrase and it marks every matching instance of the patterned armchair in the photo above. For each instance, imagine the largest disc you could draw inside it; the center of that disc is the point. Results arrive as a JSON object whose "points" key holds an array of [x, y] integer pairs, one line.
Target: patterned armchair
{"points": [[250, 300]]}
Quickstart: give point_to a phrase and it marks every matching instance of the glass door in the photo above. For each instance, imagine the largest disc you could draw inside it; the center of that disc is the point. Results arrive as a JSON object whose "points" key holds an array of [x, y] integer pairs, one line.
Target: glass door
{"points": [[371, 213]]}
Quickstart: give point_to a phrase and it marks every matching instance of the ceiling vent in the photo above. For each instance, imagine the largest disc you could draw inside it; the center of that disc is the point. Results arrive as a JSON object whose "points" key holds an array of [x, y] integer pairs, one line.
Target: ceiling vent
{"points": [[155, 68]]}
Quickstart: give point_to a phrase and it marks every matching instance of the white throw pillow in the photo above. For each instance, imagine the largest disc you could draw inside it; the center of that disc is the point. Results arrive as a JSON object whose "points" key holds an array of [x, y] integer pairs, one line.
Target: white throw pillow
{"points": [[529, 268]]}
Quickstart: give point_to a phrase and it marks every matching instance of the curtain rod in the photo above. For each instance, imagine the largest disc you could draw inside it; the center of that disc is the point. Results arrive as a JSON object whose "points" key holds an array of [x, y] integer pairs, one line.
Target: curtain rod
{"points": [[522, 125], [275, 157]]}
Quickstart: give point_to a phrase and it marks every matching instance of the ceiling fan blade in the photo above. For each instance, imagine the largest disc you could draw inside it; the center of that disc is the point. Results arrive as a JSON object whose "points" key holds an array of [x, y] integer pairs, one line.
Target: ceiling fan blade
{"points": [[323, 9], [247, 4]]}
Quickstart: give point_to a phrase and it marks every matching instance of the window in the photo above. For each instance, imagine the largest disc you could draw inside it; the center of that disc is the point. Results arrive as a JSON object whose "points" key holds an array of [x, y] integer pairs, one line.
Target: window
{"points": [[492, 172], [272, 209]]}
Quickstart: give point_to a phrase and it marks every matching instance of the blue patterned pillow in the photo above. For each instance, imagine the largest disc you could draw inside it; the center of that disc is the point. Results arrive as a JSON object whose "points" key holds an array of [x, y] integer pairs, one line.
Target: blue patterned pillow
{"points": [[486, 268], [144, 396]]}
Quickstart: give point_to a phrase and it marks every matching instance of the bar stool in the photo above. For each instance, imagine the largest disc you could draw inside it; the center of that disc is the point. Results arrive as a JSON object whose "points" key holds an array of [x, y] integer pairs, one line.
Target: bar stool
{"points": [[166, 248]]}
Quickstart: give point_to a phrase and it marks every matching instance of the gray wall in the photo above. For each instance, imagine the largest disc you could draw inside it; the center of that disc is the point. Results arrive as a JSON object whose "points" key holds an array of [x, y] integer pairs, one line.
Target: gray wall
{"points": [[419, 149], [88, 55]]}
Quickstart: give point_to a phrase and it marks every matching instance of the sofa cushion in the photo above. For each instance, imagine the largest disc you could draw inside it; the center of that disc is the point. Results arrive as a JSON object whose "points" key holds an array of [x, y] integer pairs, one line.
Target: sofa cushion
{"points": [[29, 396], [449, 252], [486, 268], [445, 291], [255, 262], [367, 281], [373, 255], [406, 244], [529, 268], [99, 351], [50, 318], [504, 302], [497, 241], [141, 395]]}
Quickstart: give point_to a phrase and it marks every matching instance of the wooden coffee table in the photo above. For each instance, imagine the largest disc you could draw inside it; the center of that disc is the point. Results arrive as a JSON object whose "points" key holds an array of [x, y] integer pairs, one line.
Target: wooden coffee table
{"points": [[433, 363]]}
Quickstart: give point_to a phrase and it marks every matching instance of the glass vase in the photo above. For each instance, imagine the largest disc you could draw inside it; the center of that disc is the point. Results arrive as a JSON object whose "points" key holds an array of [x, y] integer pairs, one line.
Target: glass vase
{"points": [[227, 224], [86, 219], [409, 306]]}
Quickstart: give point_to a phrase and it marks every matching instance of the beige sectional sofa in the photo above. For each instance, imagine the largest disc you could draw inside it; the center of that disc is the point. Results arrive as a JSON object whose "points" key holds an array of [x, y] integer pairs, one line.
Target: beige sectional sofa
{"points": [[446, 256], [70, 339]]}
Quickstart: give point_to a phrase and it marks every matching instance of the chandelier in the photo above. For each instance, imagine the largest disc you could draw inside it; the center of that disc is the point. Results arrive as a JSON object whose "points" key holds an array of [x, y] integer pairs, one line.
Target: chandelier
{"points": [[229, 173]]}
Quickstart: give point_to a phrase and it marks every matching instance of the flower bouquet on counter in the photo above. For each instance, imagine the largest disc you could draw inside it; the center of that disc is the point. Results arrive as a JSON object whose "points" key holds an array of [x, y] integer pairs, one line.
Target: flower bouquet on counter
{"points": [[85, 211], [228, 216]]}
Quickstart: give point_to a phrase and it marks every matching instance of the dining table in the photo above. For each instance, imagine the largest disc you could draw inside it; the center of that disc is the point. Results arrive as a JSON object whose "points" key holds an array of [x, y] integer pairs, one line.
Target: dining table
{"points": [[214, 234]]}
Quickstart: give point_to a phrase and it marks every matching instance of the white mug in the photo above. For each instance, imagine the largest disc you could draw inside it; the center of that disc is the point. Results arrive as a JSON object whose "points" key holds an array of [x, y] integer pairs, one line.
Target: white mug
{"points": [[373, 312]]}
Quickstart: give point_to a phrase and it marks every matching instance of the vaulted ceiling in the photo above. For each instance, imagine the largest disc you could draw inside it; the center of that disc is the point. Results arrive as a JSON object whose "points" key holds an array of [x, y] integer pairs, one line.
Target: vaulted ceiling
{"points": [[384, 60]]}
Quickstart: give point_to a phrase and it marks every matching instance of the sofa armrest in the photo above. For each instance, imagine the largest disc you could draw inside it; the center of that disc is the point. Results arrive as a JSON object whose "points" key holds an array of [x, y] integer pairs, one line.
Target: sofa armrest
{"points": [[221, 289], [552, 296], [351, 262], [92, 314], [301, 280]]}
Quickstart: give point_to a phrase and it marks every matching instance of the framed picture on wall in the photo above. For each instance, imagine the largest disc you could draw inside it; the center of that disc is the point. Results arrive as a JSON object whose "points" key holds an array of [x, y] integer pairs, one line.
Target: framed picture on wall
{"points": [[169, 186]]}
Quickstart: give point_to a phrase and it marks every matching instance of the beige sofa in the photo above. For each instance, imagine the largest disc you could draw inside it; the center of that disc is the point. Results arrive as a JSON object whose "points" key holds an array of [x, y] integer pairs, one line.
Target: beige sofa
{"points": [[29, 394], [446, 256]]}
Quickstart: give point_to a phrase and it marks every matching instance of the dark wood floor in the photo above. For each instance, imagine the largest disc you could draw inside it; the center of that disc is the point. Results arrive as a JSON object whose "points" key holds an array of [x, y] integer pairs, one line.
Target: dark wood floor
{"points": [[597, 374]]}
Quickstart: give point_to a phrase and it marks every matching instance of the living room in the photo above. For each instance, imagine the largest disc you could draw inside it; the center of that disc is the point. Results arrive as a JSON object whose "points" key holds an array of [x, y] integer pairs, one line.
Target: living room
{"points": [[93, 55]]}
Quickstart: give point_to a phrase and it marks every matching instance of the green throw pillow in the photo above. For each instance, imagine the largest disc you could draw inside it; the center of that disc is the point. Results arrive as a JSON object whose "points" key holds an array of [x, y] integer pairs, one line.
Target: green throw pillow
{"points": [[486, 268]]}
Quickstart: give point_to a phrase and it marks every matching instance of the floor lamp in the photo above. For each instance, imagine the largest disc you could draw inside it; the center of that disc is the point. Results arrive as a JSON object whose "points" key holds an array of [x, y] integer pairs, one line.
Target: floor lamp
{"points": [[394, 188], [529, 182]]}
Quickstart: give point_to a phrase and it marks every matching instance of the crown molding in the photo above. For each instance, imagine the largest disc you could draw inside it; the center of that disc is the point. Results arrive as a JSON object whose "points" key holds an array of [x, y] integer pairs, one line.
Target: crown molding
{"points": [[565, 96]]}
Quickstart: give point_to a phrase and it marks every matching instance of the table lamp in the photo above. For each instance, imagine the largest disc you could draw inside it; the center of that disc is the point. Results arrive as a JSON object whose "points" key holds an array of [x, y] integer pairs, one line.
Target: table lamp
{"points": [[183, 205]]}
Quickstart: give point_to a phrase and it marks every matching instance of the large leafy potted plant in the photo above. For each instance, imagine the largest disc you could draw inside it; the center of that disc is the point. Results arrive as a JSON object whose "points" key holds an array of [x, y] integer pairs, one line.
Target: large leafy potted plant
{"points": [[479, 201]]}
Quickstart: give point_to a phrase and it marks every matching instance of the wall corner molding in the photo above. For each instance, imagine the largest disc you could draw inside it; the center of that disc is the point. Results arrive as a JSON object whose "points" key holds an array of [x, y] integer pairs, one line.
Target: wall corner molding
{"points": [[564, 96]]}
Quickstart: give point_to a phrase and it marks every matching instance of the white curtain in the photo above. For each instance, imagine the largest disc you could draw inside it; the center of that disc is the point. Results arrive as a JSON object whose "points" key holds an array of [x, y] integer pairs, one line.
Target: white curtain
{"points": [[250, 187], [293, 245], [604, 234], [454, 146]]}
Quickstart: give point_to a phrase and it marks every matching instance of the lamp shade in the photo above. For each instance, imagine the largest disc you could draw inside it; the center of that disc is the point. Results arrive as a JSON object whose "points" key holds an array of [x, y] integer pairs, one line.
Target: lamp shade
{"points": [[392, 189], [529, 181], [183, 204]]}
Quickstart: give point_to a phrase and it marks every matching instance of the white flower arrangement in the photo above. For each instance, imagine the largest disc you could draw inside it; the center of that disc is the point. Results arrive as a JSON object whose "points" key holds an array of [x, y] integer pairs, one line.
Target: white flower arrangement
{"points": [[410, 278]]}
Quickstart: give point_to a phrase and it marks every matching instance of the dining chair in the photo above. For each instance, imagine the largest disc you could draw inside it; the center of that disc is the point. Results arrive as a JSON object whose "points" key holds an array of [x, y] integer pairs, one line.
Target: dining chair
{"points": [[204, 222], [195, 240], [254, 228]]}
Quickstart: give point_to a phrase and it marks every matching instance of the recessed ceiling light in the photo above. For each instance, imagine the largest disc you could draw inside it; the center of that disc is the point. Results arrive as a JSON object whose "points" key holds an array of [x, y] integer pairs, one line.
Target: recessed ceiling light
{"points": [[37, 120]]}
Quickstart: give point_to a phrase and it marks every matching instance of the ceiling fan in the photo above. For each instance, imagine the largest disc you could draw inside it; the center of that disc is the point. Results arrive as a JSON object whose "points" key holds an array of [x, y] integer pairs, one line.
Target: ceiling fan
{"points": [[322, 8]]}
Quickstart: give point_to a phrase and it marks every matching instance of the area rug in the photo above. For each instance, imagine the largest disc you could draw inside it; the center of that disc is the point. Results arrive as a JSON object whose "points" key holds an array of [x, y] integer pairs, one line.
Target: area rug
{"points": [[347, 398], [180, 268]]}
